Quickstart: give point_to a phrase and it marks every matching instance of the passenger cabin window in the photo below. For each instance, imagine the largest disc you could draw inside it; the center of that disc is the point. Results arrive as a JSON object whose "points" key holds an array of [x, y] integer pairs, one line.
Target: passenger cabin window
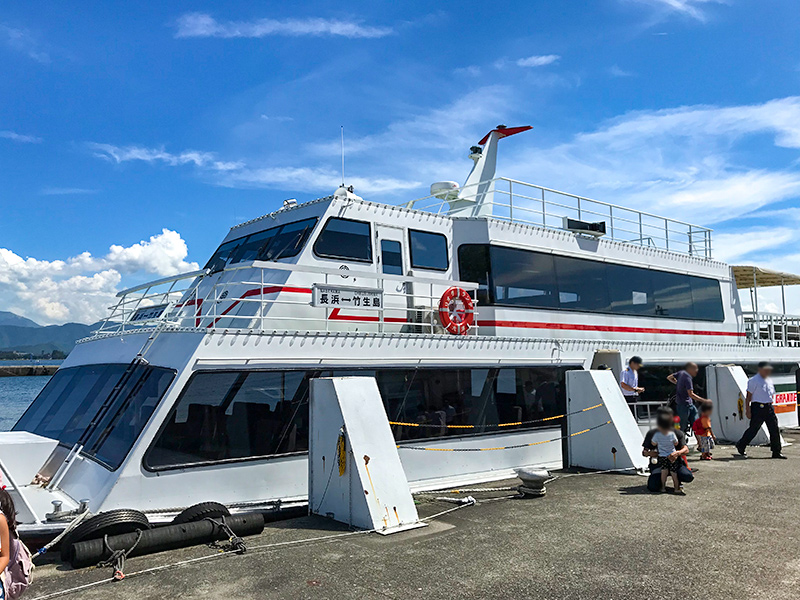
{"points": [[345, 239], [104, 407], [512, 277], [428, 250], [225, 416], [391, 257], [284, 241]]}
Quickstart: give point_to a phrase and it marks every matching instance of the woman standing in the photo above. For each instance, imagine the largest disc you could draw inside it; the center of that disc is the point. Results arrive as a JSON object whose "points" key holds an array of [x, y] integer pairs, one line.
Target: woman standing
{"points": [[8, 530]]}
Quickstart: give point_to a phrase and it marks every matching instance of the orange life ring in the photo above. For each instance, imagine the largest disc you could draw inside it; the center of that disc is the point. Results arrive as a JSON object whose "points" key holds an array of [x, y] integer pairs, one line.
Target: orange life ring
{"points": [[456, 312]]}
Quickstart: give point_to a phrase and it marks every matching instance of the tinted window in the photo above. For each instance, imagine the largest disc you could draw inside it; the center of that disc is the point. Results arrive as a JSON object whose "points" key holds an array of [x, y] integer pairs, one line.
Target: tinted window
{"points": [[473, 265], [254, 245], [65, 407], [392, 257], [345, 239], [222, 257], [582, 284], [428, 250], [521, 278], [130, 409], [630, 290], [289, 240], [224, 416], [81, 402], [672, 294], [707, 299], [283, 241], [536, 279]]}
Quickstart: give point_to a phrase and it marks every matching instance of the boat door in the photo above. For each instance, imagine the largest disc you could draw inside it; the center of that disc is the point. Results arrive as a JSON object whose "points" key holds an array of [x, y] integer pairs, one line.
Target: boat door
{"points": [[390, 242]]}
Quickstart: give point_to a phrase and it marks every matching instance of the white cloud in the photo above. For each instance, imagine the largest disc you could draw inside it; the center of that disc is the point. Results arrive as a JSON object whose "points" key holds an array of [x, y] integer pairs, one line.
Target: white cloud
{"points": [[617, 71], [18, 137], [60, 191], [538, 61], [204, 25], [120, 154], [82, 287], [22, 40], [689, 8]]}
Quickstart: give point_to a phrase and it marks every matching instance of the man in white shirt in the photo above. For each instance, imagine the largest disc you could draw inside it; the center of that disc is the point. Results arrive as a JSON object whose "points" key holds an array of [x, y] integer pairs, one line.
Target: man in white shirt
{"points": [[629, 381], [760, 410]]}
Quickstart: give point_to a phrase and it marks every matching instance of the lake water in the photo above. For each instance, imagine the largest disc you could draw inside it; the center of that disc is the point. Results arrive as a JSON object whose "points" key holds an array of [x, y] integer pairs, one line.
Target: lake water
{"points": [[16, 393]]}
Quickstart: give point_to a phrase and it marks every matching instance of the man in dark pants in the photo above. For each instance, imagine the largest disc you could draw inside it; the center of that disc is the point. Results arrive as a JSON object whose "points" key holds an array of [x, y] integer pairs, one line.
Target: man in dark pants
{"points": [[759, 409], [684, 473]]}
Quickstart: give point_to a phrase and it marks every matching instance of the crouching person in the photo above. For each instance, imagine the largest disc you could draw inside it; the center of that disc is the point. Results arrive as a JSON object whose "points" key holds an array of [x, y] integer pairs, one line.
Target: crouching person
{"points": [[681, 450]]}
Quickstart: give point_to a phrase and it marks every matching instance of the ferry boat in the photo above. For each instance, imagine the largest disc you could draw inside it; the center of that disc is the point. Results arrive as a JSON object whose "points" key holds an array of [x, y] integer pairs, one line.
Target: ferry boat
{"points": [[468, 307]]}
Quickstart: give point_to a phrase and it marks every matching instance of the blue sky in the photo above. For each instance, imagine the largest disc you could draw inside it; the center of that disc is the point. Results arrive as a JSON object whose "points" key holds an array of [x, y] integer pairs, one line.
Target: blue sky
{"points": [[133, 135]]}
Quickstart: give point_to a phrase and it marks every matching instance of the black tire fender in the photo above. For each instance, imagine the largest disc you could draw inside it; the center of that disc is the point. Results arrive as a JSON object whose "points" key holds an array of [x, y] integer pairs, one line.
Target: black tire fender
{"points": [[113, 522], [203, 510]]}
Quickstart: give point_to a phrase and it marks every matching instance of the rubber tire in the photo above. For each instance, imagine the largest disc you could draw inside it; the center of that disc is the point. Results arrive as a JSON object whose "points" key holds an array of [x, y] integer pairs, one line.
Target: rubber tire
{"points": [[198, 512], [113, 522]]}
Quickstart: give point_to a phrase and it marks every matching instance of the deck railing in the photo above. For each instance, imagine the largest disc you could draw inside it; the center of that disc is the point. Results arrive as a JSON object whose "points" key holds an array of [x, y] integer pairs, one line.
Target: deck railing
{"points": [[521, 202], [772, 329], [266, 296]]}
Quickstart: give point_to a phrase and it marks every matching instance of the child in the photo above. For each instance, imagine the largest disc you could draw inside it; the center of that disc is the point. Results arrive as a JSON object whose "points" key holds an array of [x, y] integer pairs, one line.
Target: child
{"points": [[702, 431], [8, 530], [666, 441]]}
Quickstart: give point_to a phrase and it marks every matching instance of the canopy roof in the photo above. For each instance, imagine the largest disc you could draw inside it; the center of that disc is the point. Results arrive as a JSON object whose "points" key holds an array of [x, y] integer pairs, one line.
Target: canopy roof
{"points": [[748, 276]]}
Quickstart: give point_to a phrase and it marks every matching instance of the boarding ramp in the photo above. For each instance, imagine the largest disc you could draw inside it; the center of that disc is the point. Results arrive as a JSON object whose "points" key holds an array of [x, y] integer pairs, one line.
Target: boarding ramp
{"points": [[727, 389], [618, 444], [354, 472]]}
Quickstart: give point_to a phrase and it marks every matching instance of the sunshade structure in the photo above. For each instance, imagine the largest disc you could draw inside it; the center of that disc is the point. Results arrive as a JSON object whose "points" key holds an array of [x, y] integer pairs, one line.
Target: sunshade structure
{"points": [[752, 278]]}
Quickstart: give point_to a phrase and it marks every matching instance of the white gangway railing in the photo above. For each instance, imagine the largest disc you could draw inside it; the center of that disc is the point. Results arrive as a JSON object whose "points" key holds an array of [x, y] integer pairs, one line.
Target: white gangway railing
{"points": [[772, 329], [521, 202], [271, 296]]}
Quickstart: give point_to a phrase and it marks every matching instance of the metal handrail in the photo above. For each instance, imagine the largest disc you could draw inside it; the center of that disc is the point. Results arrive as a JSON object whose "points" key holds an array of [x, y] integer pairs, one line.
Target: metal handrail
{"points": [[623, 224], [196, 302]]}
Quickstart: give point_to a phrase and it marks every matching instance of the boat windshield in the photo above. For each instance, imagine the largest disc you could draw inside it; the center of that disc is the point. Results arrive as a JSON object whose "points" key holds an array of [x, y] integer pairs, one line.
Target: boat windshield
{"points": [[103, 407], [283, 241]]}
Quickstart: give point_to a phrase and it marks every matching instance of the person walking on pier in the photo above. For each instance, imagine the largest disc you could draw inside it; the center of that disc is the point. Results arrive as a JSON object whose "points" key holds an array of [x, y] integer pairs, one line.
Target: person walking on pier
{"points": [[759, 409], [685, 396], [629, 382]]}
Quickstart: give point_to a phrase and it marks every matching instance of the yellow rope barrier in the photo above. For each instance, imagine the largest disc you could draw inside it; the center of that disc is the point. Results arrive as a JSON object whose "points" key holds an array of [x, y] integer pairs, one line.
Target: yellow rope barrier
{"points": [[515, 424]]}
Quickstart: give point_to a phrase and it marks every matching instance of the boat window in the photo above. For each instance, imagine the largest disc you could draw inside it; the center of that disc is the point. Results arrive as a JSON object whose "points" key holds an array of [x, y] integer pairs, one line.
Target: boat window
{"points": [[392, 257], [65, 407], [289, 240], [345, 239], [706, 299], [428, 250], [283, 241], [222, 257], [234, 415], [521, 278], [254, 245], [540, 280], [128, 409], [473, 264]]}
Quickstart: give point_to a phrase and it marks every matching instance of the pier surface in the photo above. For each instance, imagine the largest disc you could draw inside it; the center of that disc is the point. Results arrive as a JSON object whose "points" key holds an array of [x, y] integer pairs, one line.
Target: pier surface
{"points": [[735, 535]]}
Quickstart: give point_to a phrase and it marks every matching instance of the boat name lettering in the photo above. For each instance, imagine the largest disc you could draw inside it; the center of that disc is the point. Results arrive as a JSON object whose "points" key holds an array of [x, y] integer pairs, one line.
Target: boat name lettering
{"points": [[148, 313]]}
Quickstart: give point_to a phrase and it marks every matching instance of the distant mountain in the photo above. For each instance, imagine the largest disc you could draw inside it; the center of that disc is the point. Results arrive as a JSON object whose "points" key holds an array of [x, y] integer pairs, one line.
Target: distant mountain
{"points": [[9, 318], [36, 339]]}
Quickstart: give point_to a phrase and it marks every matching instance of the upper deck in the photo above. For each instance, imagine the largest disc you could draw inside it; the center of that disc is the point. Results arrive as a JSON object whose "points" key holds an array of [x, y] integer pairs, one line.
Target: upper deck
{"points": [[520, 202]]}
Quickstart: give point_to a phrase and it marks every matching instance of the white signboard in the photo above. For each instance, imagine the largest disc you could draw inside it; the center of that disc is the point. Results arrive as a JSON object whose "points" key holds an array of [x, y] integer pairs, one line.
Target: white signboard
{"points": [[338, 296]]}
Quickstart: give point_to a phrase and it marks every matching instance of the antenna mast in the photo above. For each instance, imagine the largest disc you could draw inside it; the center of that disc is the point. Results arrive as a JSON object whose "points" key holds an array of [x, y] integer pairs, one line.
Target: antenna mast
{"points": [[342, 155]]}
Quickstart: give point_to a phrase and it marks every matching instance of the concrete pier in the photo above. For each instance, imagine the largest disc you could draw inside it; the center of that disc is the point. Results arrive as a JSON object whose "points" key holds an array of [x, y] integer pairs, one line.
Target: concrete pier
{"points": [[26, 370]]}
